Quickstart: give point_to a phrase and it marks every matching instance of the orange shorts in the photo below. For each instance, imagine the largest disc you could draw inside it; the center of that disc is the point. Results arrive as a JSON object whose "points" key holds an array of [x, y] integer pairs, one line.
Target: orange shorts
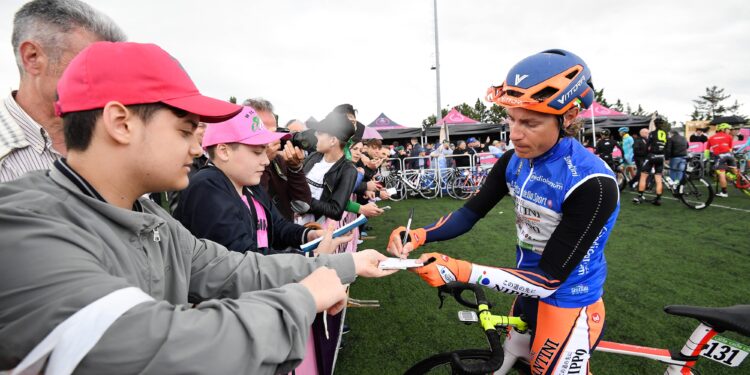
{"points": [[564, 338]]}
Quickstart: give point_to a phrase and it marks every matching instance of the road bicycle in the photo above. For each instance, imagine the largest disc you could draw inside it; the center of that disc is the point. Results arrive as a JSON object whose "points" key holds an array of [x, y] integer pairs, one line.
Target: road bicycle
{"points": [[702, 343], [737, 178], [692, 190], [464, 183]]}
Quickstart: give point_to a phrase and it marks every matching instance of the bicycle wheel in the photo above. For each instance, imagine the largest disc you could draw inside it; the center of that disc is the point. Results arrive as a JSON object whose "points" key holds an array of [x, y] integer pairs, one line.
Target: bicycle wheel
{"points": [[743, 183], [394, 182], [695, 193], [441, 363], [429, 187]]}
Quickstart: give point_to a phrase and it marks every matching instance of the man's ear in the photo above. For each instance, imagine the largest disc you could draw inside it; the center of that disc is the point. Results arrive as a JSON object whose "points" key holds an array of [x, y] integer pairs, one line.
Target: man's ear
{"points": [[33, 58], [570, 115], [117, 121]]}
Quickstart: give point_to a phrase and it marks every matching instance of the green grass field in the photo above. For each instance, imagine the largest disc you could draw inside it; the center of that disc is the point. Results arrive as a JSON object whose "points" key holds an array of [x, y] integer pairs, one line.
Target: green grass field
{"points": [[657, 256]]}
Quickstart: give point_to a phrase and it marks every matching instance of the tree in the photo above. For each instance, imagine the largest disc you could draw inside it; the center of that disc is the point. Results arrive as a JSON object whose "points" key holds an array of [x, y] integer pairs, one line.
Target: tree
{"points": [[618, 106], [710, 105], [480, 110], [599, 97], [430, 120], [496, 114], [233, 100]]}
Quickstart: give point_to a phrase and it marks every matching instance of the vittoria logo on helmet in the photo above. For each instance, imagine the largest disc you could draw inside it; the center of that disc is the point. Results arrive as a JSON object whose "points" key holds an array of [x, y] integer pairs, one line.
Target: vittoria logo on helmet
{"points": [[511, 101], [520, 78], [566, 97]]}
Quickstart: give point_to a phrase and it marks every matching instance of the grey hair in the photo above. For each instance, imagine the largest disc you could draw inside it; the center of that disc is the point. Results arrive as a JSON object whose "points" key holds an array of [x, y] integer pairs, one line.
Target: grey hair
{"points": [[259, 104], [49, 22]]}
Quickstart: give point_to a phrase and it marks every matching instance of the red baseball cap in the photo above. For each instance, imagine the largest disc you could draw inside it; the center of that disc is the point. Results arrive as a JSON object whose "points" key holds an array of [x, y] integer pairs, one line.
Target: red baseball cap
{"points": [[246, 128], [133, 73]]}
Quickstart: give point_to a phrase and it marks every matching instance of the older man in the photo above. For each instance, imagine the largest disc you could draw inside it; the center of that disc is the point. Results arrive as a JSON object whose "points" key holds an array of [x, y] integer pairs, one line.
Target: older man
{"points": [[283, 179], [47, 34]]}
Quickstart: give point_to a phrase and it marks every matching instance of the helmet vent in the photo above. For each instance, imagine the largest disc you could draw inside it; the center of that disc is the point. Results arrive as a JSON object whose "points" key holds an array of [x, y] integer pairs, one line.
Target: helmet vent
{"points": [[572, 74], [544, 93], [514, 93]]}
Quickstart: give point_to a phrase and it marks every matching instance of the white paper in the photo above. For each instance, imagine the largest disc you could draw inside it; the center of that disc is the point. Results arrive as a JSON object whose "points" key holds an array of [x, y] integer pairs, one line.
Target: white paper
{"points": [[398, 264]]}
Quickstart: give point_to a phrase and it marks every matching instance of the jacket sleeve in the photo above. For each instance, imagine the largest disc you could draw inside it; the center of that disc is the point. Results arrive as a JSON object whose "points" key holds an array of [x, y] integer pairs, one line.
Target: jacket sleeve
{"points": [[297, 186], [334, 207], [209, 211], [285, 232], [262, 331]]}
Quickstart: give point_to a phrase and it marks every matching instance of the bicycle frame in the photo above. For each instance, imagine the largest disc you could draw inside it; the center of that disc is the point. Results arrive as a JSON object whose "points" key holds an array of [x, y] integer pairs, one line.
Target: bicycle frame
{"points": [[678, 363]]}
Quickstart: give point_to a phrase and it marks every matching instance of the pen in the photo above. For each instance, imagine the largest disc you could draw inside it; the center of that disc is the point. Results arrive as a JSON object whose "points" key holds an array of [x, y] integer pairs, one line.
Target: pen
{"points": [[408, 226]]}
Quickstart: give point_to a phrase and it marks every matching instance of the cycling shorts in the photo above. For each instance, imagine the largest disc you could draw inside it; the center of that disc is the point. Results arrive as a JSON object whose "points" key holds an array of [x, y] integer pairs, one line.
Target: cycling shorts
{"points": [[655, 161], [724, 161], [563, 338]]}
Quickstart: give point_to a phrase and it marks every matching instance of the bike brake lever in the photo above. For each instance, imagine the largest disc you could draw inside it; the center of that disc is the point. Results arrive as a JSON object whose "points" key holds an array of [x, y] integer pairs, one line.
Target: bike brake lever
{"points": [[441, 296]]}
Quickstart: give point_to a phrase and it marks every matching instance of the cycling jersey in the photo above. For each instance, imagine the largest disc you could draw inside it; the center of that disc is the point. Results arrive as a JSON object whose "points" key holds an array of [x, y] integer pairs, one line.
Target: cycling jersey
{"points": [[566, 203], [720, 143], [657, 142], [627, 148]]}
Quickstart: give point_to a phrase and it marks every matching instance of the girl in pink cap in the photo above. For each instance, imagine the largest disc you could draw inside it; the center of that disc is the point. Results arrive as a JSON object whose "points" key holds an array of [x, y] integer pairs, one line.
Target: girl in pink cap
{"points": [[224, 201]]}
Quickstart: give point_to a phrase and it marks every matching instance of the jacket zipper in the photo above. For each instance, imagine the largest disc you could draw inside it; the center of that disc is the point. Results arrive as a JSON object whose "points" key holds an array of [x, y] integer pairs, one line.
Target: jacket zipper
{"points": [[157, 237], [531, 172]]}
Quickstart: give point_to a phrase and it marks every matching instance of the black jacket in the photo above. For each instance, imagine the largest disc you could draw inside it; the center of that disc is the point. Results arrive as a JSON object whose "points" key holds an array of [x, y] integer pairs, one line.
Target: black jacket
{"points": [[338, 185], [211, 208], [640, 148], [677, 145]]}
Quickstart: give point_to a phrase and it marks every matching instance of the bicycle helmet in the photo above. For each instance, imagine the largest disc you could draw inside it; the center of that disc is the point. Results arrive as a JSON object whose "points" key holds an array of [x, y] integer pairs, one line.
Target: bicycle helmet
{"points": [[552, 81], [723, 126], [623, 129]]}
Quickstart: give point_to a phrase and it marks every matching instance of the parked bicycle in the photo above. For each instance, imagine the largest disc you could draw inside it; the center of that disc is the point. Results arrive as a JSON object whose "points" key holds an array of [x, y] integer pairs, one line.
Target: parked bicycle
{"points": [[692, 190], [702, 343]]}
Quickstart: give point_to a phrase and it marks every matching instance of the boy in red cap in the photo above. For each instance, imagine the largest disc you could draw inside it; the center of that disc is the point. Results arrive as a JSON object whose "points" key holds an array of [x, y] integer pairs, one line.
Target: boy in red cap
{"points": [[102, 278]]}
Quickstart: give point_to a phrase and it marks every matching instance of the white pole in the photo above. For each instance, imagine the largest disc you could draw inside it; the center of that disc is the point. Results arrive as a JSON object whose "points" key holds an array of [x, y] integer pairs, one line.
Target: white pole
{"points": [[593, 125], [438, 115]]}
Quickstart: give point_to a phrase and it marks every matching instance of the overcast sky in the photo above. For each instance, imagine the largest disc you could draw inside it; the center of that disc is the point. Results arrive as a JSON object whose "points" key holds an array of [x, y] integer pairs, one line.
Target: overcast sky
{"points": [[308, 56]]}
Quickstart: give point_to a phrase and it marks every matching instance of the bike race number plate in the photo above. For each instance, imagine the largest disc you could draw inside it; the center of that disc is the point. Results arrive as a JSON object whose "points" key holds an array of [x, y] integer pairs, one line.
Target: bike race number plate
{"points": [[725, 351]]}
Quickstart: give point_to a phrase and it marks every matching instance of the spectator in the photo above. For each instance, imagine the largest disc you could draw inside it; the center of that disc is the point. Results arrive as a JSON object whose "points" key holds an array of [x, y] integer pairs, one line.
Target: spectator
{"points": [[462, 161], [199, 162], [296, 126], [605, 147], [735, 133], [698, 136], [497, 148], [283, 180], [676, 152], [224, 201], [440, 155], [415, 152], [79, 238], [47, 34], [351, 114], [330, 176]]}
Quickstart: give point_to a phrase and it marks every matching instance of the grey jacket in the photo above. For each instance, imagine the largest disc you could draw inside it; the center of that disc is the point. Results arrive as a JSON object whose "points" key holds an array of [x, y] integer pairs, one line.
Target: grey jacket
{"points": [[62, 249]]}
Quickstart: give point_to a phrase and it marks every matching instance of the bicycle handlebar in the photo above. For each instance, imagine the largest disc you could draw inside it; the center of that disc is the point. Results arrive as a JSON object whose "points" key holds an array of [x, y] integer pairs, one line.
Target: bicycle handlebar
{"points": [[493, 336]]}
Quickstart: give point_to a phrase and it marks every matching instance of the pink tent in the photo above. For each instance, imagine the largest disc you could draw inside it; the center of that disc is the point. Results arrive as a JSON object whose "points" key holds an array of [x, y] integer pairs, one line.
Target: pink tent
{"points": [[382, 122], [598, 110], [371, 133], [455, 117]]}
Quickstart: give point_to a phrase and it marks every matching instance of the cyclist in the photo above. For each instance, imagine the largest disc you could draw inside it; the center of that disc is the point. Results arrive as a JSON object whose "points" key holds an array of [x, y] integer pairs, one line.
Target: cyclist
{"points": [[566, 203], [605, 147], [627, 151], [720, 145], [657, 142]]}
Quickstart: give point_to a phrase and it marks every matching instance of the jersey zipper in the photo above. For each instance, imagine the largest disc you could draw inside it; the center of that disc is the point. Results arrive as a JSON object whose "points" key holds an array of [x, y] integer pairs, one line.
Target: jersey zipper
{"points": [[157, 237], [531, 171]]}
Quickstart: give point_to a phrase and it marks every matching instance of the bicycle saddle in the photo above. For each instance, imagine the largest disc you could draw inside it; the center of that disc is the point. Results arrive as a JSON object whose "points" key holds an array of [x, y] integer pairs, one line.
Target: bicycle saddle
{"points": [[734, 318]]}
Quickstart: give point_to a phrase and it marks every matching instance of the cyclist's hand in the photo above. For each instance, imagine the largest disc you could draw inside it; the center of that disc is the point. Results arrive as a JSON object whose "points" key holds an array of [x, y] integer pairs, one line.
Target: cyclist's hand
{"points": [[440, 269], [396, 246]]}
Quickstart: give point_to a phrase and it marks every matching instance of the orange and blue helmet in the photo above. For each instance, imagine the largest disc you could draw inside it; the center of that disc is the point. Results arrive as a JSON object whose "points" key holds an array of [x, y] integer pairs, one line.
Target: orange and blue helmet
{"points": [[551, 81]]}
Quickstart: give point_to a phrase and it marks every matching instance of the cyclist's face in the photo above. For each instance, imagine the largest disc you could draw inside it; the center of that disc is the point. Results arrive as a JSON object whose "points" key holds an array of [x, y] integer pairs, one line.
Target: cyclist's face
{"points": [[532, 133]]}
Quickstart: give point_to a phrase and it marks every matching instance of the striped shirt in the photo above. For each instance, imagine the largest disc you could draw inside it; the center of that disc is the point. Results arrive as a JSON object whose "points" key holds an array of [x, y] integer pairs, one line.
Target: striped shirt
{"points": [[24, 144]]}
